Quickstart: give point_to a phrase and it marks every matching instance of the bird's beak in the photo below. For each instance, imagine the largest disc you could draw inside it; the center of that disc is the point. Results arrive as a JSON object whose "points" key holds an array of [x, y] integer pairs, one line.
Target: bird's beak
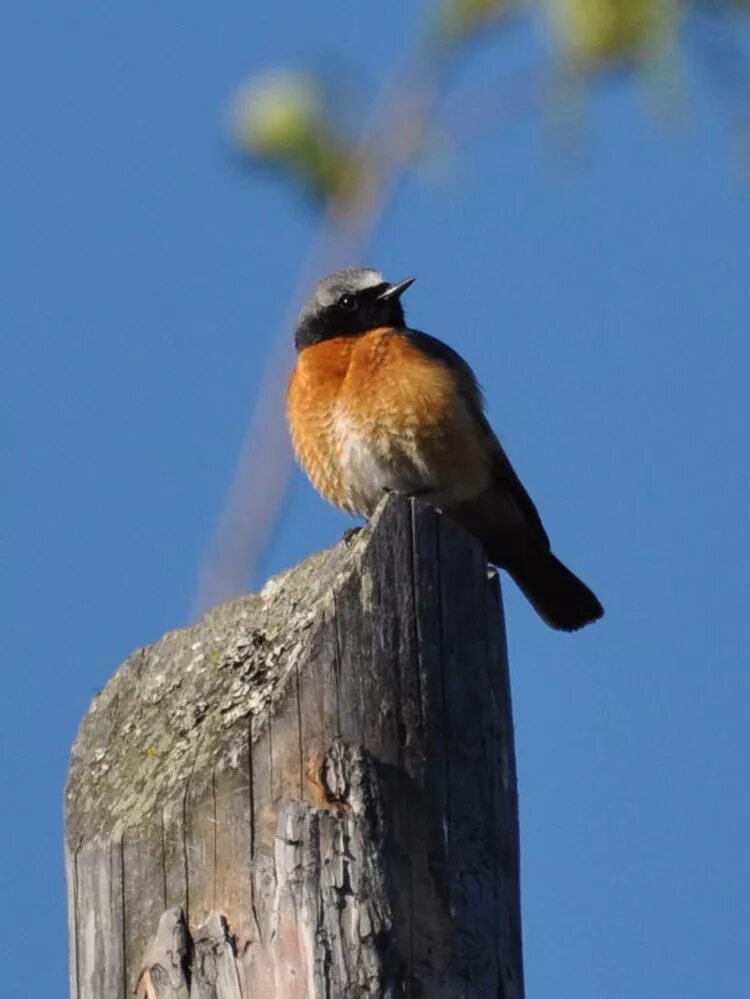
{"points": [[396, 290]]}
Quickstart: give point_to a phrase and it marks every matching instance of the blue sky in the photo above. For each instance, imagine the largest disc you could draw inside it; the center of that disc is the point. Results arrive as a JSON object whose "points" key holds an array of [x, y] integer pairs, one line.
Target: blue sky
{"points": [[603, 300]]}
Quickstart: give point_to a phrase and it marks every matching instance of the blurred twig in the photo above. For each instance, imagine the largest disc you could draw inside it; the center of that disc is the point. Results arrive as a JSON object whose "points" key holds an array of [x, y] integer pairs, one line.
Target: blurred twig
{"points": [[355, 181], [390, 140]]}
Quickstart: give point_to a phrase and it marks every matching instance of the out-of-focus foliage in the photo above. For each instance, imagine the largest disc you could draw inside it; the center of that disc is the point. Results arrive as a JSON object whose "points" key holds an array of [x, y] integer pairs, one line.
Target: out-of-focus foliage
{"points": [[456, 20], [601, 33], [286, 120], [289, 123]]}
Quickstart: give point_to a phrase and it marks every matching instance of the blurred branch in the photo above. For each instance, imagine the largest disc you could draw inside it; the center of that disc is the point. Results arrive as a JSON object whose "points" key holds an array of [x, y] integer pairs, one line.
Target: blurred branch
{"points": [[263, 469], [288, 122]]}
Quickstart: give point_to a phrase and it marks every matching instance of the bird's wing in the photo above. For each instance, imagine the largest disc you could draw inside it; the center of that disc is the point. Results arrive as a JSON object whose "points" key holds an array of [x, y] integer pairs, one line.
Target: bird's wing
{"points": [[503, 473]]}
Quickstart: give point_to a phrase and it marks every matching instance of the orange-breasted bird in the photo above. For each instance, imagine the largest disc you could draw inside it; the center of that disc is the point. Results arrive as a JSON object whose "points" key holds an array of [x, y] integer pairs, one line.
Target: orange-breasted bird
{"points": [[376, 407]]}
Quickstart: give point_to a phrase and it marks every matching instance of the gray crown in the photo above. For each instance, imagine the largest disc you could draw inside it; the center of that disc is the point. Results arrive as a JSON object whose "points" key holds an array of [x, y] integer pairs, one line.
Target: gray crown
{"points": [[332, 287]]}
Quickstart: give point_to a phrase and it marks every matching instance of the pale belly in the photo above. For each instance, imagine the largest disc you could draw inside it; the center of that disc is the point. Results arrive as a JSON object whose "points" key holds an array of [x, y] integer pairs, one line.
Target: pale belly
{"points": [[374, 415], [374, 464]]}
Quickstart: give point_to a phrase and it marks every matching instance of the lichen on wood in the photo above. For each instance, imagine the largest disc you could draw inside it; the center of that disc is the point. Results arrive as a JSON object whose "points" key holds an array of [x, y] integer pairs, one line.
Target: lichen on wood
{"points": [[309, 793]]}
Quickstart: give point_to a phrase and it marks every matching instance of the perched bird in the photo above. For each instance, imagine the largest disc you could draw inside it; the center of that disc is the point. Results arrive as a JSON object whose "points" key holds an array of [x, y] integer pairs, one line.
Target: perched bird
{"points": [[376, 407]]}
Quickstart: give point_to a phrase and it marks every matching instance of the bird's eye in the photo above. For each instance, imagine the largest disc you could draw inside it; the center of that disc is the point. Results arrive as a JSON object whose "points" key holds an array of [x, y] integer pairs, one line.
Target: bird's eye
{"points": [[348, 302]]}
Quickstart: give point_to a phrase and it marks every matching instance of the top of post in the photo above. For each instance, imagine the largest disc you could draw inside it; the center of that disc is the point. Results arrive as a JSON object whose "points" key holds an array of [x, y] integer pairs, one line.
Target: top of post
{"points": [[168, 708]]}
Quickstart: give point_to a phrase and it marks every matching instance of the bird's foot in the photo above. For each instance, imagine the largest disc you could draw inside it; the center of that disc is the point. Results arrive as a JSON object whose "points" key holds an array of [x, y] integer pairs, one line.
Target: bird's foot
{"points": [[348, 537], [411, 493]]}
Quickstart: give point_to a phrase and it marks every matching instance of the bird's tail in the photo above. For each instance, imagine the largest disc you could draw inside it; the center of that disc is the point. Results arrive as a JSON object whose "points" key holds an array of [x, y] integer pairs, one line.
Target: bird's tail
{"points": [[516, 541], [559, 596]]}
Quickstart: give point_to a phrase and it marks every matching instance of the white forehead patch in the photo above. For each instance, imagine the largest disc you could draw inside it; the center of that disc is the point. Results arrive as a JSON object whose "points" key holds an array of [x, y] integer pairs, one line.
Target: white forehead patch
{"points": [[335, 285]]}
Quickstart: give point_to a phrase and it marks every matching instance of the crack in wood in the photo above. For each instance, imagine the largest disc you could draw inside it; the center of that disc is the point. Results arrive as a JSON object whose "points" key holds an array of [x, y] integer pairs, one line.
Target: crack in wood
{"points": [[314, 785]]}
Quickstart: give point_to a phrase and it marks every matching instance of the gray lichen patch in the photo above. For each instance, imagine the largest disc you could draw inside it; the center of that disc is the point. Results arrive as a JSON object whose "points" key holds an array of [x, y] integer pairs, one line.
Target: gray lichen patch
{"points": [[314, 785], [167, 709]]}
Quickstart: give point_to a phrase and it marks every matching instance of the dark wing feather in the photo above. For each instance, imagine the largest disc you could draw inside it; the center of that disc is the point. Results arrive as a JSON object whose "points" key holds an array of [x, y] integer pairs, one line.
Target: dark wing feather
{"points": [[504, 476]]}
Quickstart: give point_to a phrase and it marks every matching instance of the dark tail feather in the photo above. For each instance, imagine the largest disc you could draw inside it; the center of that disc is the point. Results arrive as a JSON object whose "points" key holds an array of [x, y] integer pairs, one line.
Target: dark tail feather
{"points": [[519, 545], [559, 596]]}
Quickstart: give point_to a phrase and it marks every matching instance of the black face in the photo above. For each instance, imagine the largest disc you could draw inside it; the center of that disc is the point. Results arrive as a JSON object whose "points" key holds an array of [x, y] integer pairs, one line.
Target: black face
{"points": [[351, 314]]}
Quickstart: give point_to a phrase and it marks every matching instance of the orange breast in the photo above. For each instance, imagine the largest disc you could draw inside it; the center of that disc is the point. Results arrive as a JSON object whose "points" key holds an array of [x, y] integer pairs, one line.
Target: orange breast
{"points": [[374, 412]]}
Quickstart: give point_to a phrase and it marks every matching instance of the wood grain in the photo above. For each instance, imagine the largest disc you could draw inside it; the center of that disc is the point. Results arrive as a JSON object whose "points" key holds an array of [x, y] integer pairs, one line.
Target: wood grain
{"points": [[311, 793]]}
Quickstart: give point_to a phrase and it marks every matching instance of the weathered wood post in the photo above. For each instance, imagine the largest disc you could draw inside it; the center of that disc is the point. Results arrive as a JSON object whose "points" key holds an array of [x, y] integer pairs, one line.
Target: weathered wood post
{"points": [[311, 793]]}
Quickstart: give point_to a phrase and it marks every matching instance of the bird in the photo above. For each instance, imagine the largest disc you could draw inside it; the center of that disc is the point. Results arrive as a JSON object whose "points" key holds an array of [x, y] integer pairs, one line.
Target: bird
{"points": [[375, 407]]}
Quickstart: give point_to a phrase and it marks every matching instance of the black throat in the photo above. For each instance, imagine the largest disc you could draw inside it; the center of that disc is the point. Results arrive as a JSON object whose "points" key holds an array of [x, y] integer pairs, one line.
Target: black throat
{"points": [[367, 312]]}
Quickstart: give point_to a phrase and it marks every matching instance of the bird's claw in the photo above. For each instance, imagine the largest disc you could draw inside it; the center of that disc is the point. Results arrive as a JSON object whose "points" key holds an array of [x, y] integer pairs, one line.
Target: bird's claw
{"points": [[349, 536]]}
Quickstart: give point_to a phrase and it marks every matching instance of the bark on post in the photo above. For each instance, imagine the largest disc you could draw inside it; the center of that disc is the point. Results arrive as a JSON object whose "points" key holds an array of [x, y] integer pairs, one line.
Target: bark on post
{"points": [[311, 793]]}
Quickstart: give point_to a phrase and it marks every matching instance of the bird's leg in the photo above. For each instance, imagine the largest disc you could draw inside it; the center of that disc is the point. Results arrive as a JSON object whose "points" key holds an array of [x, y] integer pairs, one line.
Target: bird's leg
{"points": [[411, 493]]}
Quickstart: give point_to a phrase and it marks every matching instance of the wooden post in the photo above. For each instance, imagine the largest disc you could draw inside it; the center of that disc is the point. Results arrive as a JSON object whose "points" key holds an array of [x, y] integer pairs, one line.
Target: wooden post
{"points": [[311, 793]]}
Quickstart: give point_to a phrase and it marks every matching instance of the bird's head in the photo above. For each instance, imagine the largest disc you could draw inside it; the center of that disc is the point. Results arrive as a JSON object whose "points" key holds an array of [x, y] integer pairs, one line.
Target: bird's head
{"points": [[348, 303]]}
